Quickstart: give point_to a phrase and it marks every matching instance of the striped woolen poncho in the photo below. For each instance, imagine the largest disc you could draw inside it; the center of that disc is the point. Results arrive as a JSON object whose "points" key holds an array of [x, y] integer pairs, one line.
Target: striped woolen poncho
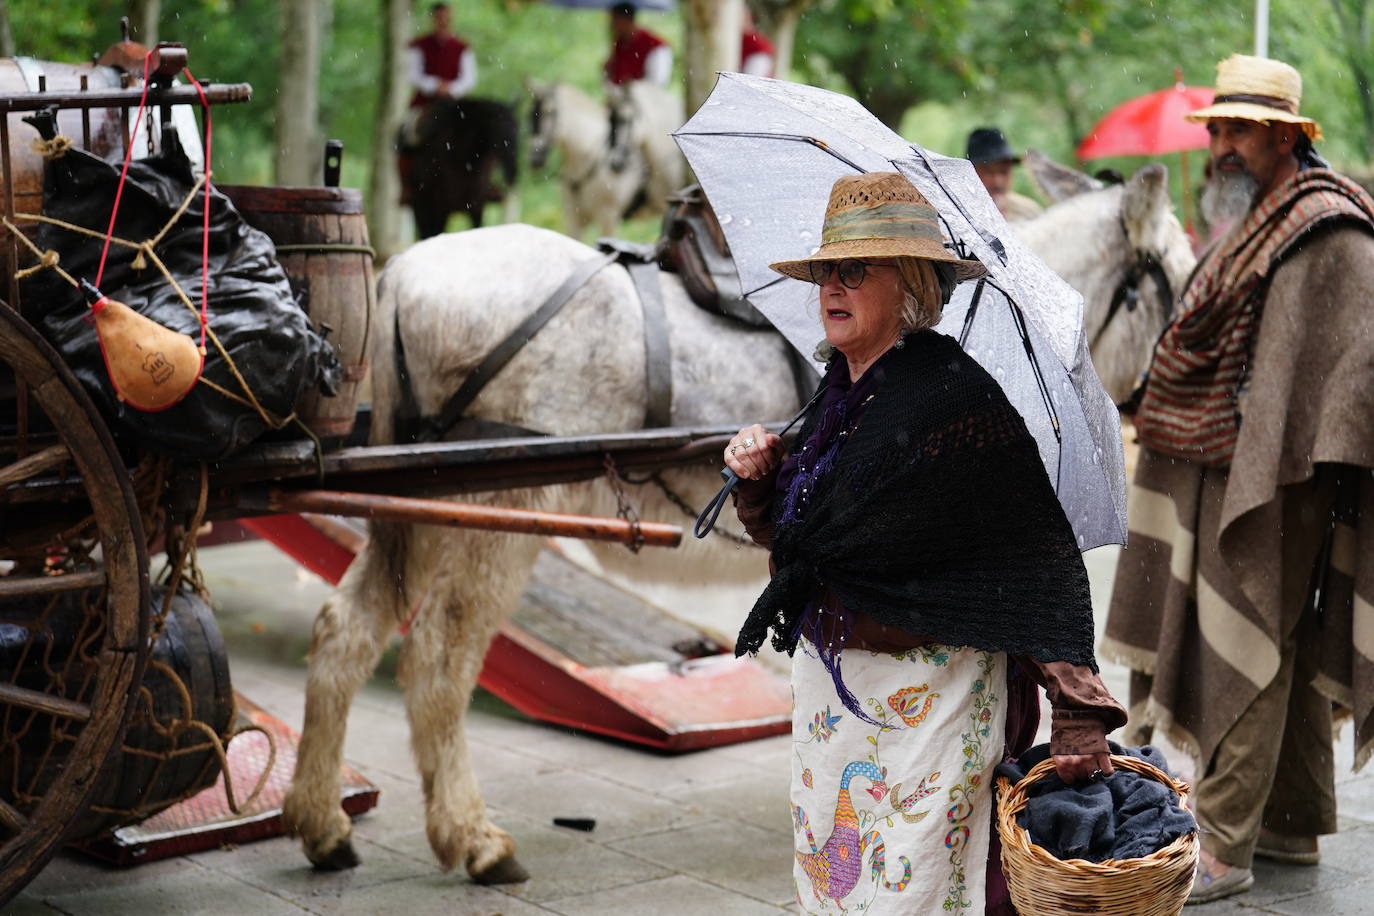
{"points": [[1189, 409]]}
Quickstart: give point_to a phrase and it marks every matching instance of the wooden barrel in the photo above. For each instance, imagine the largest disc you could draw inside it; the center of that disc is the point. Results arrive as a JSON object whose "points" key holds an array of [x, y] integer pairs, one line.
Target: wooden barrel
{"points": [[321, 239], [164, 758]]}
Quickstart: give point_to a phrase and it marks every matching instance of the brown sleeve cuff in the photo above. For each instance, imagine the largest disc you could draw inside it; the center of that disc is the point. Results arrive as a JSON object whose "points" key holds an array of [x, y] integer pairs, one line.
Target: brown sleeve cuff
{"points": [[754, 507], [1077, 732]]}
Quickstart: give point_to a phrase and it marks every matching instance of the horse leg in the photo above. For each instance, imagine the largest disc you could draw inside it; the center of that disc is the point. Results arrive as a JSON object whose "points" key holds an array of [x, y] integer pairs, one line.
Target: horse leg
{"points": [[349, 636], [440, 661]]}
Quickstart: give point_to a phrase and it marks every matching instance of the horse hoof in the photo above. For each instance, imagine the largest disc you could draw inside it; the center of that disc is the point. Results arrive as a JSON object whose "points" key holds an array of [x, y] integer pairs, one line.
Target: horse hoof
{"points": [[505, 871], [340, 858]]}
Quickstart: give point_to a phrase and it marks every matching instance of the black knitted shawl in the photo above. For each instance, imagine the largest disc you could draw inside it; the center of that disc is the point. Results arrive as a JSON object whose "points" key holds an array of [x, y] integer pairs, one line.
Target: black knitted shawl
{"points": [[937, 518]]}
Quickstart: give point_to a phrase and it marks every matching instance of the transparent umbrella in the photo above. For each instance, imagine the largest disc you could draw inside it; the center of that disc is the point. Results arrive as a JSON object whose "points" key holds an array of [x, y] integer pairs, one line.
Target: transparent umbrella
{"points": [[767, 152]]}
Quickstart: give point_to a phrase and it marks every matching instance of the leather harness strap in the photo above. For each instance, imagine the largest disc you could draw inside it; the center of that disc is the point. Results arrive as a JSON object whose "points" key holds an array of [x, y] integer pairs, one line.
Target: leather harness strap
{"points": [[431, 429], [658, 354]]}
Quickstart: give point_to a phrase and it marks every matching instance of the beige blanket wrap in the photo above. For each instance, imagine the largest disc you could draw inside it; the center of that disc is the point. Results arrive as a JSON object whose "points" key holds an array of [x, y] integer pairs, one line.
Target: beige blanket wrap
{"points": [[1198, 608]]}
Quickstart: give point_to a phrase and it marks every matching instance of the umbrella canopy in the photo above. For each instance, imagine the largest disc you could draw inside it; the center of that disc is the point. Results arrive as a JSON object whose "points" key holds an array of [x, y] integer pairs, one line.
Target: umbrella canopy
{"points": [[1150, 125], [767, 152]]}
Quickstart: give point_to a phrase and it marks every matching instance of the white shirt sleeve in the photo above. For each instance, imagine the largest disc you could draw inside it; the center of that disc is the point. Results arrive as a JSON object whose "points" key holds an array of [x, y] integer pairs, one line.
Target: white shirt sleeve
{"points": [[415, 72], [759, 64], [658, 66], [467, 76]]}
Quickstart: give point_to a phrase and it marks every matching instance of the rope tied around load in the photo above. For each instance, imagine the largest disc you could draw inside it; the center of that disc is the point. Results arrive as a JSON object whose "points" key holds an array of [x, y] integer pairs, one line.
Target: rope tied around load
{"points": [[47, 260], [147, 254]]}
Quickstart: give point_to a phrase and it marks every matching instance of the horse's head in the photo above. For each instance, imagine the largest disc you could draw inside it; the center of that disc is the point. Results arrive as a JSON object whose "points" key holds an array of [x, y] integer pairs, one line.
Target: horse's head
{"points": [[543, 112]]}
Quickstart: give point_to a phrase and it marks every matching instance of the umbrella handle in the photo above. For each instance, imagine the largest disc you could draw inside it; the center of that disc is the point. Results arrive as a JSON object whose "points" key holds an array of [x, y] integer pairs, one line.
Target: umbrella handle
{"points": [[707, 519]]}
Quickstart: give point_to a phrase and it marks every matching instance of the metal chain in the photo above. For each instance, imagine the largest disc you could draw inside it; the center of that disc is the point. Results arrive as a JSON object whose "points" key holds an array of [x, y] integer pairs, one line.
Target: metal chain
{"points": [[657, 479], [624, 508]]}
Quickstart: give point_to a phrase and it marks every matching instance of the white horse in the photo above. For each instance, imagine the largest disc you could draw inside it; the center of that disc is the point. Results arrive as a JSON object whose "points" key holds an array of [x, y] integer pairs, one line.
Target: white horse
{"points": [[606, 178], [452, 298], [1091, 237]]}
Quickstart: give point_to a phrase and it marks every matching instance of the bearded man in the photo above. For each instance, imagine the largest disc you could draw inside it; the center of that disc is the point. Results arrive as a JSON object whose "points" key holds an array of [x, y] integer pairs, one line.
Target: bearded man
{"points": [[1244, 599]]}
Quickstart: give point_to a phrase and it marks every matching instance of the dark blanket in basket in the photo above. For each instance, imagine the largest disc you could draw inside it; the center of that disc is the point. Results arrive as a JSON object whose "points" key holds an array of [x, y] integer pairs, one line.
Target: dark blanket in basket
{"points": [[1125, 816]]}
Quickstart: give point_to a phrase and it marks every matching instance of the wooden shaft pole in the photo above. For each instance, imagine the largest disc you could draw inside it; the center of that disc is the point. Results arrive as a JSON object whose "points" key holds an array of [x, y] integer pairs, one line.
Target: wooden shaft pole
{"points": [[466, 515]]}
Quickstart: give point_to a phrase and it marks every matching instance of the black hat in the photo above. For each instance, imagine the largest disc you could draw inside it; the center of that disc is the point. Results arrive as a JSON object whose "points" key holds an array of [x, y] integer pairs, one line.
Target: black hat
{"points": [[988, 144]]}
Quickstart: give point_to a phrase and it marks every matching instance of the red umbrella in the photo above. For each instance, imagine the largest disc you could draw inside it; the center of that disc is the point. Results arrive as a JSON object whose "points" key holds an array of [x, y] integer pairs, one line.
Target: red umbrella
{"points": [[1150, 125]]}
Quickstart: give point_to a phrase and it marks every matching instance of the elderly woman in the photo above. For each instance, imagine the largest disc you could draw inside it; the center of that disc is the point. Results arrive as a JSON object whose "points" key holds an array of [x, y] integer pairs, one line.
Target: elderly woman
{"points": [[924, 568]]}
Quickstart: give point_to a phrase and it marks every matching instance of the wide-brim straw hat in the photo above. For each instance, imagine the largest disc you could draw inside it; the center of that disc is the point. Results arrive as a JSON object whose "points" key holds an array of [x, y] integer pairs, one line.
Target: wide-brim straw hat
{"points": [[879, 215], [1258, 89]]}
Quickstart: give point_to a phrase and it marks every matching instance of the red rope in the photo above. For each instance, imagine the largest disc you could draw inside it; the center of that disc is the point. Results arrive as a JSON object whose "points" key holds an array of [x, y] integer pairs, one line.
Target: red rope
{"points": [[128, 154], [205, 226], [205, 232]]}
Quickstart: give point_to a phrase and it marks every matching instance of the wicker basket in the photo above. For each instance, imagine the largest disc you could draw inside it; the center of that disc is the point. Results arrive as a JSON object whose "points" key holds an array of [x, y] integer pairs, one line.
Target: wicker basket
{"points": [[1041, 885]]}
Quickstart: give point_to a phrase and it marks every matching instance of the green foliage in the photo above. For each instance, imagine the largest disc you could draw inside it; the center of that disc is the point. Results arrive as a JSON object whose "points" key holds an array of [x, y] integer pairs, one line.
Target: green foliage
{"points": [[1044, 72]]}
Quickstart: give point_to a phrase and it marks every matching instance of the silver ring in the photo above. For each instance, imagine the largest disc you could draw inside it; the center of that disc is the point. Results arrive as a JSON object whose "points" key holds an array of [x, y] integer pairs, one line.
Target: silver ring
{"points": [[1096, 776], [748, 443], [735, 448]]}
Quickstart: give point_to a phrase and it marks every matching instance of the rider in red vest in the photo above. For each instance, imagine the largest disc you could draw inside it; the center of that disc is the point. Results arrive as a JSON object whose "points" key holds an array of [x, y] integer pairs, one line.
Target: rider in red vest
{"points": [[440, 64], [757, 56], [636, 54]]}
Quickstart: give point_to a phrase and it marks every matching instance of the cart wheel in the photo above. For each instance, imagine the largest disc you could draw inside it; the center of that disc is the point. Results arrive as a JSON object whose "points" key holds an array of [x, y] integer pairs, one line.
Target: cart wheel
{"points": [[73, 625]]}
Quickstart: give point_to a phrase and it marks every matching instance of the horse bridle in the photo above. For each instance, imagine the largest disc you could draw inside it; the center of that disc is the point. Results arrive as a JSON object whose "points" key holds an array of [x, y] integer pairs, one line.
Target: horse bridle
{"points": [[1127, 293]]}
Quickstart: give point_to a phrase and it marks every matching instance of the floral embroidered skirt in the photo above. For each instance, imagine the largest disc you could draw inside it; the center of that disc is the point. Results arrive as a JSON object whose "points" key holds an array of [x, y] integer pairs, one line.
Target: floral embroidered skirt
{"points": [[895, 817]]}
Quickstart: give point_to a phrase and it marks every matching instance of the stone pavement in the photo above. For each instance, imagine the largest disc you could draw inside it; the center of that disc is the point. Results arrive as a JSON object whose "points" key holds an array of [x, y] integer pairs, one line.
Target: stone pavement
{"points": [[704, 833]]}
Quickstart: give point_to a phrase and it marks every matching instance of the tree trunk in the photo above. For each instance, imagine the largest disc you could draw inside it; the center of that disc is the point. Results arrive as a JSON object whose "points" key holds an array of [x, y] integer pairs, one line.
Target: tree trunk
{"points": [[299, 151], [143, 17], [785, 39], [712, 30], [1067, 103], [384, 186], [6, 33], [778, 20]]}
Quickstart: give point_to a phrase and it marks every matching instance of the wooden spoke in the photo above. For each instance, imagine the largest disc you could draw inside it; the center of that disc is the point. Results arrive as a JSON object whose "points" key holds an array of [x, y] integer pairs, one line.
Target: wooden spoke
{"points": [[34, 464], [44, 702], [11, 818], [25, 586]]}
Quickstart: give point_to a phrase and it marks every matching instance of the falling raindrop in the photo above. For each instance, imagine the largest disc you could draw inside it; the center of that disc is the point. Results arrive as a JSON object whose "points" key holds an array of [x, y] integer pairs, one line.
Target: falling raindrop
{"points": [[725, 219]]}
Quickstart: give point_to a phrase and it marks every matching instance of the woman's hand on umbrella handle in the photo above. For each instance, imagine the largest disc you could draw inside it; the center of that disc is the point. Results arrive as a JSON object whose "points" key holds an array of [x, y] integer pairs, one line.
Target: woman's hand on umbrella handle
{"points": [[1080, 768], [753, 453]]}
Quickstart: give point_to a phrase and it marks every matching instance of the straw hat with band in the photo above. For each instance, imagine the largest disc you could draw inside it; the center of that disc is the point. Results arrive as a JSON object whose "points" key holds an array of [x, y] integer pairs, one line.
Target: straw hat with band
{"points": [[879, 215], [1258, 89]]}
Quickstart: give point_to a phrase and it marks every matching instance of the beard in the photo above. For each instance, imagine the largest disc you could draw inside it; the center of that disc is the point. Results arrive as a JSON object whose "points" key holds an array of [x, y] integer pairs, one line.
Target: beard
{"points": [[1227, 197]]}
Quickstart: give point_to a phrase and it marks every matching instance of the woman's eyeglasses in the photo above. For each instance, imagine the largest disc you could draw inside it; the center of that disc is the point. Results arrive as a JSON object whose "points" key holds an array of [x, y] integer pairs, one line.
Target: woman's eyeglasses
{"points": [[851, 271]]}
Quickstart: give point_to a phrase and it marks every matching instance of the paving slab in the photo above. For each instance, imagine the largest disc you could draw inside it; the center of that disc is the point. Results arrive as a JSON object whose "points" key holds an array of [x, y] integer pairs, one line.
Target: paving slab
{"points": [[738, 856], [189, 891], [620, 811], [432, 895], [679, 895]]}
